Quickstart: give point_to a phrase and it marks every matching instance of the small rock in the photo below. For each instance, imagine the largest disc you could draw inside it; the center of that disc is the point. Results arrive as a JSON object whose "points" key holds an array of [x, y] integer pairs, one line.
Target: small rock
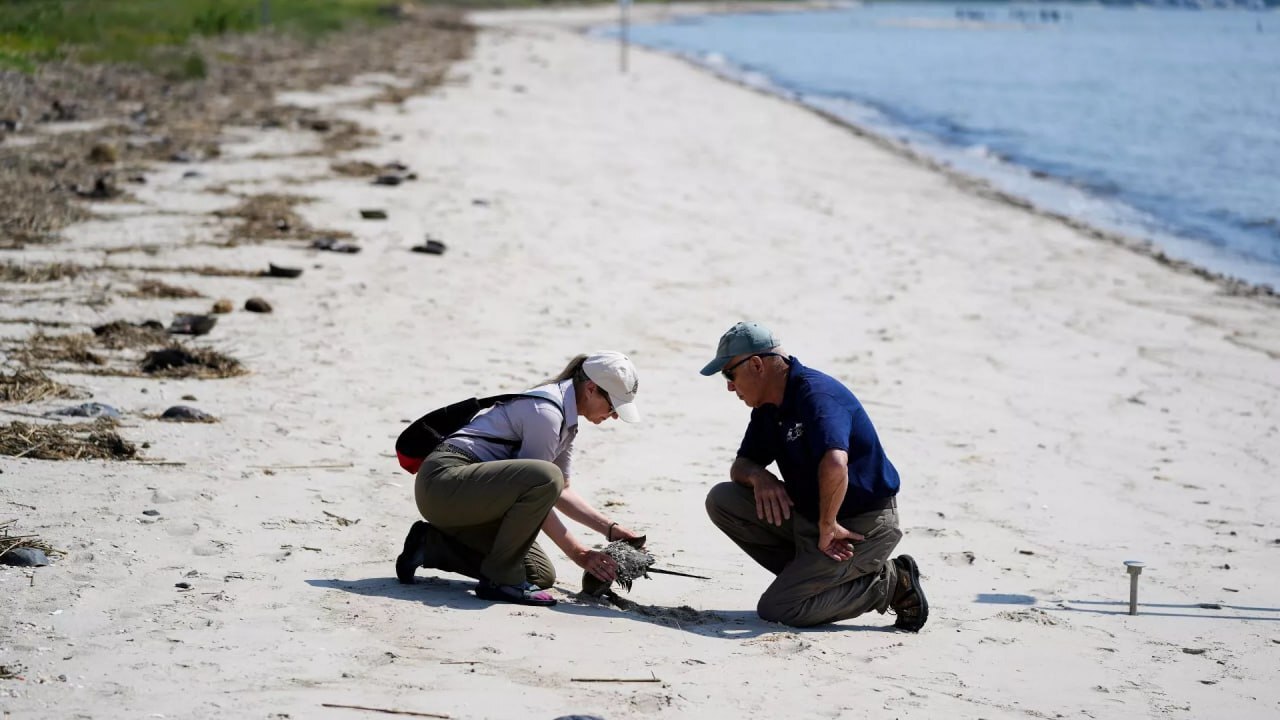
{"points": [[321, 125], [274, 270], [480, 202], [333, 245], [186, 413], [1026, 552], [1194, 651], [257, 304], [89, 410], [223, 306], [103, 153], [183, 585], [391, 180], [373, 214], [151, 513], [192, 398], [430, 247], [191, 174], [24, 557], [184, 324]]}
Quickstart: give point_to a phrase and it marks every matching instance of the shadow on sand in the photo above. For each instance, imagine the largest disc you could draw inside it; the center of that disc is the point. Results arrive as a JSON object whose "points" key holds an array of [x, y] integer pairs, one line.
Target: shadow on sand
{"points": [[457, 595]]}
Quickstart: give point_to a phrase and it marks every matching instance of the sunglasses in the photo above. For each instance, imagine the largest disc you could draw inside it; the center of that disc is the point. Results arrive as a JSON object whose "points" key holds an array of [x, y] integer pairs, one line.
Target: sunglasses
{"points": [[728, 372], [606, 397]]}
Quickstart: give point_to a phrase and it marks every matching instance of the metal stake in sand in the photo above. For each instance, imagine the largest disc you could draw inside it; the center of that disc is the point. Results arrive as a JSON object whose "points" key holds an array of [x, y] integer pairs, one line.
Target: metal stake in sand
{"points": [[1135, 569]]}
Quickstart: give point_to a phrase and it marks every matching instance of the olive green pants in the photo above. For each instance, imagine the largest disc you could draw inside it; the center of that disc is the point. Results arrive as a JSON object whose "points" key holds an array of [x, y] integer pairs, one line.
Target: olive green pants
{"points": [[484, 516], [810, 587]]}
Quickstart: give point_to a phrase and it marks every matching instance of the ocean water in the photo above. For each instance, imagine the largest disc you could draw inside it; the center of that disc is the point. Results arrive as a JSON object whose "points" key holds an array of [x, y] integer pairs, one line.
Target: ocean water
{"points": [[1159, 123]]}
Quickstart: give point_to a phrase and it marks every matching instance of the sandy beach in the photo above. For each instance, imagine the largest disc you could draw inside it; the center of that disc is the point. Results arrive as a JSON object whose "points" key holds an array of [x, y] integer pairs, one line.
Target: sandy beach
{"points": [[1056, 403]]}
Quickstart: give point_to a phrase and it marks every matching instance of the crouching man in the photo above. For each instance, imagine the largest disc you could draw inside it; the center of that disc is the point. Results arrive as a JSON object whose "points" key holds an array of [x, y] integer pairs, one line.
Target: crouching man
{"points": [[828, 527]]}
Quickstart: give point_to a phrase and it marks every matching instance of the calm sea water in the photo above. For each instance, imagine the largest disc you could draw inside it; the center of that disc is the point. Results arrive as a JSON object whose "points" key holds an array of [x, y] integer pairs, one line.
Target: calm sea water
{"points": [[1163, 124]]}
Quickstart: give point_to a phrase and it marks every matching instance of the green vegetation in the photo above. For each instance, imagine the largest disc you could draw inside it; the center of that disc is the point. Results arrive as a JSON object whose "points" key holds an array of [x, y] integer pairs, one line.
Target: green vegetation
{"points": [[148, 32]]}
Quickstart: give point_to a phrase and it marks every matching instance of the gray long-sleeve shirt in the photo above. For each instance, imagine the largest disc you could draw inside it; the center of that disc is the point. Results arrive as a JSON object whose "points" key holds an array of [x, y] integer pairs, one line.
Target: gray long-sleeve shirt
{"points": [[542, 429]]}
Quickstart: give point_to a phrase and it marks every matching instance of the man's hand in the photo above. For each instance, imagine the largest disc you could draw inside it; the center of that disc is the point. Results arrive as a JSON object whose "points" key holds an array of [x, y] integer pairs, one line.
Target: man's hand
{"points": [[836, 542], [773, 504]]}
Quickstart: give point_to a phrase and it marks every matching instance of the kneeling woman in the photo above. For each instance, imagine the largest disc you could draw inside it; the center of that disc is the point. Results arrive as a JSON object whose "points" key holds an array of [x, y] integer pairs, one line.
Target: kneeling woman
{"points": [[488, 489]]}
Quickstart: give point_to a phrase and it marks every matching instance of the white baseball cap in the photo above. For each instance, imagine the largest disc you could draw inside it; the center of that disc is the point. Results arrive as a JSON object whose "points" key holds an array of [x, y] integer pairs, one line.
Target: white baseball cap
{"points": [[615, 374]]}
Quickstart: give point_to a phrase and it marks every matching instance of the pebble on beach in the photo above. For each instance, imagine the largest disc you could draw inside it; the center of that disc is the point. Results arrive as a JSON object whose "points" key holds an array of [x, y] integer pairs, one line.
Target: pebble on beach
{"points": [[186, 413], [257, 304], [223, 306], [373, 214], [24, 557]]}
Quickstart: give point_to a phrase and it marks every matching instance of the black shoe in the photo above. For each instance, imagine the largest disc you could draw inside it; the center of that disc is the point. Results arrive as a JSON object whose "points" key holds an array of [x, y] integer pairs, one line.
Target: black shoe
{"points": [[415, 551], [910, 606]]}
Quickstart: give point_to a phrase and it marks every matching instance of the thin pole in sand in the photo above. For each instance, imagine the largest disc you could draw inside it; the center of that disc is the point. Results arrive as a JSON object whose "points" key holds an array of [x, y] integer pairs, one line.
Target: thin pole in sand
{"points": [[1135, 569], [623, 7]]}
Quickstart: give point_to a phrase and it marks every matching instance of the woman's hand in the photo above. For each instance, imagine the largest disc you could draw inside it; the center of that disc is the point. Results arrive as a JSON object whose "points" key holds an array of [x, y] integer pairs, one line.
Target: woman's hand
{"points": [[620, 532], [598, 564]]}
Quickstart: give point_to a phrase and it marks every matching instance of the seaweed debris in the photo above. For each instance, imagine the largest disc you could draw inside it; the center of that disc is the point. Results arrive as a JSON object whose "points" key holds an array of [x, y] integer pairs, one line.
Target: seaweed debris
{"points": [[97, 440]]}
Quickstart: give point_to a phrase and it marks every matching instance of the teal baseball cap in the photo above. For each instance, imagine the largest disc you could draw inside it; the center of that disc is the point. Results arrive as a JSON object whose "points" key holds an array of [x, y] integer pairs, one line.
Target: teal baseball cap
{"points": [[743, 338]]}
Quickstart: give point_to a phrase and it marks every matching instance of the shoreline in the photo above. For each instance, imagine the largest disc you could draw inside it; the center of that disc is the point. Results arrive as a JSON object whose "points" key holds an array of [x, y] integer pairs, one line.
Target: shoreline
{"points": [[979, 186]]}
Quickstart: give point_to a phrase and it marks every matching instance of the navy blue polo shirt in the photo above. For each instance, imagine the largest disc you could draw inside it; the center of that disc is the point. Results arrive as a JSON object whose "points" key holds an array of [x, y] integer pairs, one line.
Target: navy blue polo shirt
{"points": [[817, 414]]}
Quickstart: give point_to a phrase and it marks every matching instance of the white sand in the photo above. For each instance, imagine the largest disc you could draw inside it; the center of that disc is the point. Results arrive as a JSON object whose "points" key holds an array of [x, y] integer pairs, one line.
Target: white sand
{"points": [[1056, 405]]}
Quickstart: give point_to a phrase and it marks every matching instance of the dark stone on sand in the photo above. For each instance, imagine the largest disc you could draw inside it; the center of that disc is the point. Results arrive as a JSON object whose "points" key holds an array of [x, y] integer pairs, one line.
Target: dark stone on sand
{"points": [[183, 585], [158, 360], [274, 270], [184, 324], [186, 413], [321, 125], [24, 557], [104, 188], [480, 202], [257, 304], [151, 513], [89, 410], [334, 245], [430, 247], [391, 180], [189, 397], [191, 174], [373, 214]]}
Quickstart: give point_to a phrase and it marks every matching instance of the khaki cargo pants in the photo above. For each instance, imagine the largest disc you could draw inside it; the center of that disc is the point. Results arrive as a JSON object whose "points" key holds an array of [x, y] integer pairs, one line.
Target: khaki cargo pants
{"points": [[811, 588], [484, 516]]}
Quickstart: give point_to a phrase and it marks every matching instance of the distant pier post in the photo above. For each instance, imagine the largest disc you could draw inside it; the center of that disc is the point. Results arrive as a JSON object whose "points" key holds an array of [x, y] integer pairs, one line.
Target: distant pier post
{"points": [[624, 6]]}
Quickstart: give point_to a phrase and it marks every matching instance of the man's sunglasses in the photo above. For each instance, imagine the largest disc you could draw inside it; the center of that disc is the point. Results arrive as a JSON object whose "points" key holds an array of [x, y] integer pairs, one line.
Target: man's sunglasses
{"points": [[728, 372]]}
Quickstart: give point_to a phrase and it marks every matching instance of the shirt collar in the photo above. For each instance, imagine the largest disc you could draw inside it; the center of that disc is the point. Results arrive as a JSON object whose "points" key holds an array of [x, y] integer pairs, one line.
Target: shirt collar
{"points": [[570, 403], [793, 379]]}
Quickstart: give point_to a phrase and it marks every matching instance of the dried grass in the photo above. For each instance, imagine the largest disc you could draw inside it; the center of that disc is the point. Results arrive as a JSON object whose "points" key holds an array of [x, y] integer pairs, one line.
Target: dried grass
{"points": [[356, 168], [97, 440], [271, 217], [184, 361], [160, 289], [26, 386], [43, 348], [206, 270], [9, 541], [39, 272], [119, 334]]}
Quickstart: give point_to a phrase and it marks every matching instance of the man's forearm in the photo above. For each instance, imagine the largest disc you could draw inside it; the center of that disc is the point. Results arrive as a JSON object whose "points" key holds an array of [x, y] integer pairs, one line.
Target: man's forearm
{"points": [[744, 471], [833, 483]]}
